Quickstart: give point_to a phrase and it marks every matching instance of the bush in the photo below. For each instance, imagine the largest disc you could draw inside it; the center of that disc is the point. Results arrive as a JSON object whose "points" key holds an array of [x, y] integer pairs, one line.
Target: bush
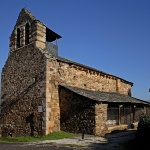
{"points": [[143, 129]]}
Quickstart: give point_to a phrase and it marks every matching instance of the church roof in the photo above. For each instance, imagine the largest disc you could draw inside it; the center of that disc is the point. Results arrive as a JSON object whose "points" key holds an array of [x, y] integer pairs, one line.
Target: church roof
{"points": [[105, 97]]}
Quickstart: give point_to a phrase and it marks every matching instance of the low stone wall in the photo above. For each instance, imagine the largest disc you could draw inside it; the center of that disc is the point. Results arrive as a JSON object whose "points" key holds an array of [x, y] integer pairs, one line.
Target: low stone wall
{"points": [[116, 128]]}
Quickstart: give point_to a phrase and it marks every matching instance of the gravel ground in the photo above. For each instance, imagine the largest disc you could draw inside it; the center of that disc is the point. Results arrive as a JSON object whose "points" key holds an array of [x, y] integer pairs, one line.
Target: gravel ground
{"points": [[111, 141]]}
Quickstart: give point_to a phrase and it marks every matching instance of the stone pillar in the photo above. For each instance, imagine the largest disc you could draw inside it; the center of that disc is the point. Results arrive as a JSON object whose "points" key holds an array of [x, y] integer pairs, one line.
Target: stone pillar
{"points": [[100, 119], [52, 98], [40, 35]]}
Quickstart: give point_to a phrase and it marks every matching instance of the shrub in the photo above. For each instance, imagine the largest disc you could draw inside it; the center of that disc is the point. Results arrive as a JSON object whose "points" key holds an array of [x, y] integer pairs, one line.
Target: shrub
{"points": [[143, 129]]}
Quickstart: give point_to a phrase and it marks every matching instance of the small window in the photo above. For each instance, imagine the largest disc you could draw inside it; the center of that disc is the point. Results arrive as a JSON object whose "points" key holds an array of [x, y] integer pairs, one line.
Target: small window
{"points": [[27, 34], [18, 38]]}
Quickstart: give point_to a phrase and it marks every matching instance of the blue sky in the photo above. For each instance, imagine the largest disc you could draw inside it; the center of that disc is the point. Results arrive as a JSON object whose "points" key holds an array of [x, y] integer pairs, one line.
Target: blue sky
{"points": [[110, 35]]}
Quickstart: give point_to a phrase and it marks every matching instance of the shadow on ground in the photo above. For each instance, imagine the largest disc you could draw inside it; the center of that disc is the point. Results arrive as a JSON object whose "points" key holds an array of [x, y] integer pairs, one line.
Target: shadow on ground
{"points": [[117, 140]]}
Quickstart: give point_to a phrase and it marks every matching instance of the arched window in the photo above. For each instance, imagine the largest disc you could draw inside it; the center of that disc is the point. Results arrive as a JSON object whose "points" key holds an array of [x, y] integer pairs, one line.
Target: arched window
{"points": [[18, 38], [27, 34]]}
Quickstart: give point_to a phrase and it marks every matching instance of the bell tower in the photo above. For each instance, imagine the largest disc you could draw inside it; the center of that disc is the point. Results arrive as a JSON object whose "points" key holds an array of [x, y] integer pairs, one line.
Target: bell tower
{"points": [[29, 30]]}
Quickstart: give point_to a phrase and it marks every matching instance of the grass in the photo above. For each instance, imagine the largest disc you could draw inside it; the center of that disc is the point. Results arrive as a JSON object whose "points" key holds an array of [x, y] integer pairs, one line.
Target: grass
{"points": [[51, 136]]}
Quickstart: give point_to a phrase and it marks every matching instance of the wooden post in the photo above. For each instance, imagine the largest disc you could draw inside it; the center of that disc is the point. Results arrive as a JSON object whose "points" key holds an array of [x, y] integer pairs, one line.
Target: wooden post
{"points": [[119, 115], [133, 110]]}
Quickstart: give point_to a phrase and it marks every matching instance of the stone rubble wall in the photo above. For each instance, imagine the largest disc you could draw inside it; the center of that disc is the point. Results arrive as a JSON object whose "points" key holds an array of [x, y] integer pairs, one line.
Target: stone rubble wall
{"points": [[77, 112], [23, 89]]}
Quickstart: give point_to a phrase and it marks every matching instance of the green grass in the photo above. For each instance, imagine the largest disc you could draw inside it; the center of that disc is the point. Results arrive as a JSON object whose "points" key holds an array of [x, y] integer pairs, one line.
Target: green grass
{"points": [[51, 136]]}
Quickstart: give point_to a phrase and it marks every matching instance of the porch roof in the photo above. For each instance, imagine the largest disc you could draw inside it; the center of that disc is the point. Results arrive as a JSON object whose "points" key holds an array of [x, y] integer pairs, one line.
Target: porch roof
{"points": [[107, 97]]}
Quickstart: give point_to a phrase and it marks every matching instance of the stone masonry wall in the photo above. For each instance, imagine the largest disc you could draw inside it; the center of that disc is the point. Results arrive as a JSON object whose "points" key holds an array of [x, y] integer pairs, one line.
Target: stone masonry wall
{"points": [[23, 89], [58, 72], [77, 113], [85, 78]]}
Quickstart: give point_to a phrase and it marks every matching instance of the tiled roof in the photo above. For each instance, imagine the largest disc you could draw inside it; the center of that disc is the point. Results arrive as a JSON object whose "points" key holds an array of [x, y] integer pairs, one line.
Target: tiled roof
{"points": [[107, 97]]}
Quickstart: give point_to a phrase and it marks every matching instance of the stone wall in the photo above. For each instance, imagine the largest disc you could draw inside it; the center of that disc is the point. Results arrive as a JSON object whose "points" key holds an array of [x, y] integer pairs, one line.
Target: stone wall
{"points": [[77, 113], [58, 72], [23, 89], [83, 77]]}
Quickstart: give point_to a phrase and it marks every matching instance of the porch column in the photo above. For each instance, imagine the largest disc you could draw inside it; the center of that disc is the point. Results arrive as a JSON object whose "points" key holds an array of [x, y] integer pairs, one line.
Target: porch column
{"points": [[119, 114], [100, 119]]}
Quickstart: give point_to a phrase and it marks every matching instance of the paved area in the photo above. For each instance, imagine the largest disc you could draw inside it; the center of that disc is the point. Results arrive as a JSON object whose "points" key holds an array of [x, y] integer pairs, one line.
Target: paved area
{"points": [[25, 146], [111, 141]]}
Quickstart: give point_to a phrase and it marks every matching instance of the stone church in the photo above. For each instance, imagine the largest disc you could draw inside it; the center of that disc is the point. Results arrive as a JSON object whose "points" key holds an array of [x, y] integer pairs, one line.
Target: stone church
{"points": [[43, 92]]}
